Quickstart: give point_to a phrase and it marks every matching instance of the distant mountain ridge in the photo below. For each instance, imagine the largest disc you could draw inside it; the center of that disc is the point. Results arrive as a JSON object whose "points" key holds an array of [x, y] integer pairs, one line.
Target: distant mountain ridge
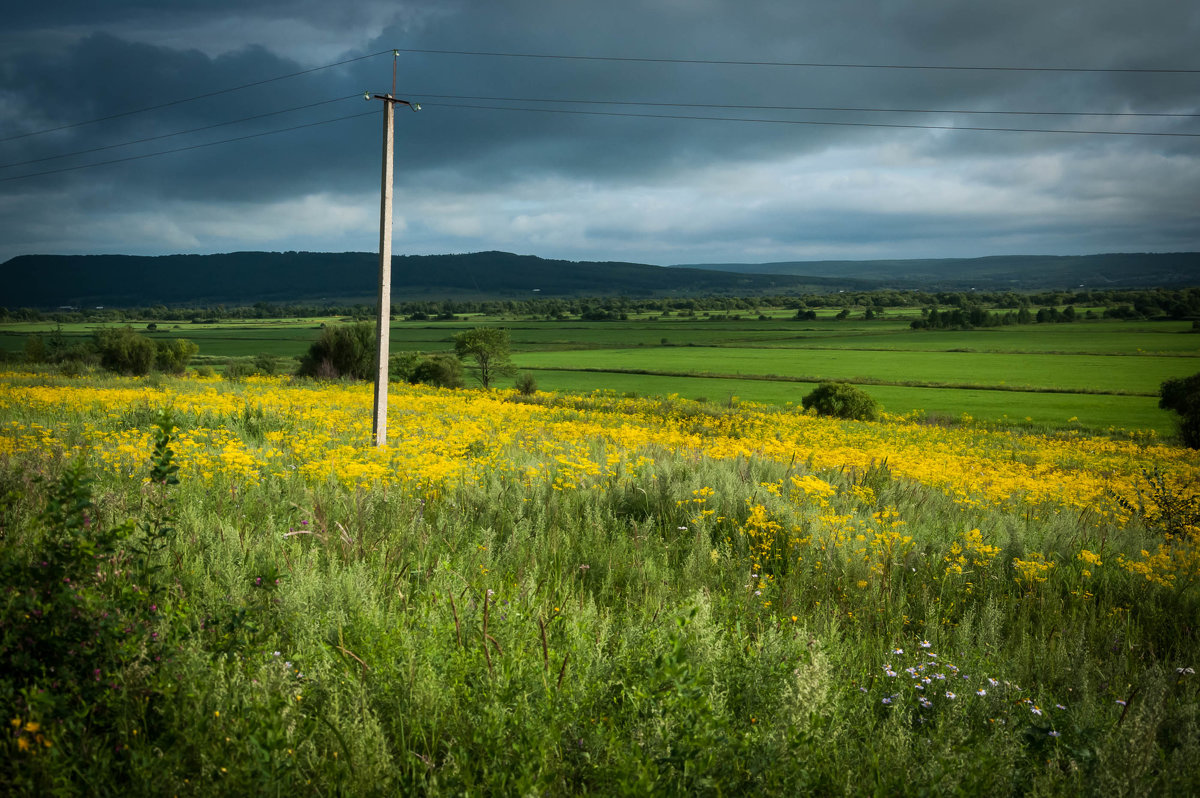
{"points": [[50, 281], [1000, 272]]}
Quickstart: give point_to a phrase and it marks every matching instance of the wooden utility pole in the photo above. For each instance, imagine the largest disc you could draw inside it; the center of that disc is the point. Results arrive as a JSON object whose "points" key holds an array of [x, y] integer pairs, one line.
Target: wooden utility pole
{"points": [[379, 414]]}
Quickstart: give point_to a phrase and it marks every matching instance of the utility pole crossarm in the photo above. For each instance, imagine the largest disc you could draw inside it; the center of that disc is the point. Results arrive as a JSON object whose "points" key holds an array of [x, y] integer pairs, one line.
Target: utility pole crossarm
{"points": [[389, 98]]}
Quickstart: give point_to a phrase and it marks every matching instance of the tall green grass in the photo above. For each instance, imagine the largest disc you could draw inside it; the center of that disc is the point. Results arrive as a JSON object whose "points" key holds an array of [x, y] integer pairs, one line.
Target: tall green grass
{"points": [[693, 630]]}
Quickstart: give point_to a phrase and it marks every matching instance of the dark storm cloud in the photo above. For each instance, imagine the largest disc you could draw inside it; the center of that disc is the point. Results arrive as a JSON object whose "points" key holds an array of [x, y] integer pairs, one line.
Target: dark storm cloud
{"points": [[473, 178]]}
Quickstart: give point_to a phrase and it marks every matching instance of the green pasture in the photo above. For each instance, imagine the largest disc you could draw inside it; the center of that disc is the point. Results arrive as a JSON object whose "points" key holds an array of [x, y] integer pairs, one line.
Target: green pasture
{"points": [[292, 338], [1130, 375], [1098, 337], [1053, 410], [995, 373]]}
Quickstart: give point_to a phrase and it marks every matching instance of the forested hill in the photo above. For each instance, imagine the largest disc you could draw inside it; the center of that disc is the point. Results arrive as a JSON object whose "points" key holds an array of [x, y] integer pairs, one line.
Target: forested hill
{"points": [[1000, 272], [49, 281]]}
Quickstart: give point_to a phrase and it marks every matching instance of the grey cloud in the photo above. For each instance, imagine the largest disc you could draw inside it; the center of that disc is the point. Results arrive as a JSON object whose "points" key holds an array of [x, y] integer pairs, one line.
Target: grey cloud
{"points": [[118, 61]]}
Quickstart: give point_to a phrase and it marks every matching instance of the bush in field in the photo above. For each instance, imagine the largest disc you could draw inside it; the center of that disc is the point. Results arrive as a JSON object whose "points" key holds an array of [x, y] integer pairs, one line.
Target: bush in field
{"points": [[344, 350], [35, 349], [442, 371], [265, 363], [526, 384], [1182, 395], [173, 356], [236, 370], [402, 364], [842, 400], [125, 351]]}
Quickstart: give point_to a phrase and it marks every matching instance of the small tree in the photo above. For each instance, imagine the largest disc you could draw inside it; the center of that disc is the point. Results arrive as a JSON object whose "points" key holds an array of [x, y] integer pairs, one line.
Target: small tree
{"points": [[489, 348], [1182, 394], [842, 400]]}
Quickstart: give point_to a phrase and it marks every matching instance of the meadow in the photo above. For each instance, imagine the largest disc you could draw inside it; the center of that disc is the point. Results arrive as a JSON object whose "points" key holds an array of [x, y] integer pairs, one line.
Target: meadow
{"points": [[221, 586], [1095, 375]]}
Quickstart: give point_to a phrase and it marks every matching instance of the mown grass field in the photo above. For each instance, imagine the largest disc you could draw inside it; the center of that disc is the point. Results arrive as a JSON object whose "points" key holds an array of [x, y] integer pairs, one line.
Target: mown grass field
{"points": [[582, 594]]}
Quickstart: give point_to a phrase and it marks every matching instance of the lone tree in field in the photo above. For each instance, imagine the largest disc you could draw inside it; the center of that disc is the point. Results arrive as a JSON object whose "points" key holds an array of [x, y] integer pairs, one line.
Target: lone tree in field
{"points": [[1182, 394], [489, 348], [842, 400]]}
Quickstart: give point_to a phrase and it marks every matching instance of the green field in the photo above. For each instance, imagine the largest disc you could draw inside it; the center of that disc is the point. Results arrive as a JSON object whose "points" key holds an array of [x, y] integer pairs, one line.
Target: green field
{"points": [[1078, 373], [1067, 410], [1097, 374]]}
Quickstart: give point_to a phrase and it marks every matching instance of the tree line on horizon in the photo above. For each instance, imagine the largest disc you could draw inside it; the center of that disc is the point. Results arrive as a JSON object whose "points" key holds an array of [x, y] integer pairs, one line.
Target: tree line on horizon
{"points": [[1133, 304]]}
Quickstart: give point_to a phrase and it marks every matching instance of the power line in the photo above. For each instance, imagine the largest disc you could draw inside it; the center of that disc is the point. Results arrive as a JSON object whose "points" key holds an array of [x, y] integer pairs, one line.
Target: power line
{"points": [[830, 65], [629, 103], [185, 149], [810, 122], [178, 132], [807, 107], [193, 99], [689, 117]]}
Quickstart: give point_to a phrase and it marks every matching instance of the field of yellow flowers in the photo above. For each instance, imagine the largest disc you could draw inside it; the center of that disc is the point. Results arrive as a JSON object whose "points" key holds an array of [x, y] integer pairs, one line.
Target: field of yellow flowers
{"points": [[573, 593], [267, 427]]}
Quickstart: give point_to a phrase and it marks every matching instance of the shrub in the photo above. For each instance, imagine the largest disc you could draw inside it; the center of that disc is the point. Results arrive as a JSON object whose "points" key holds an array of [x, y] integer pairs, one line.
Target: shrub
{"points": [[236, 370], [35, 349], [344, 350], [842, 400], [173, 356], [1182, 394], [265, 363], [125, 351], [402, 364], [442, 371], [526, 384]]}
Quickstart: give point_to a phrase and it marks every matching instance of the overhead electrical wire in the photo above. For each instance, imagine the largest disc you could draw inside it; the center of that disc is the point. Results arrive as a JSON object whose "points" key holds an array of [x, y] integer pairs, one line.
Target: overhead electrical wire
{"points": [[193, 99], [690, 117], [822, 64], [806, 107], [179, 132], [810, 122], [559, 56], [185, 149]]}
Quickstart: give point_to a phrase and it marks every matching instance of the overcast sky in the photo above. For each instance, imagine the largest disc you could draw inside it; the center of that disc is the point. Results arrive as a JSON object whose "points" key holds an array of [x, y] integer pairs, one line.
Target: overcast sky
{"points": [[616, 180]]}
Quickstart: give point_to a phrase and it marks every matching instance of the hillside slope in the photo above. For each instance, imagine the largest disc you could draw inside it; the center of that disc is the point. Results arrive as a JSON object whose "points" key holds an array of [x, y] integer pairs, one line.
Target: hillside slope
{"points": [[47, 281], [1016, 272]]}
